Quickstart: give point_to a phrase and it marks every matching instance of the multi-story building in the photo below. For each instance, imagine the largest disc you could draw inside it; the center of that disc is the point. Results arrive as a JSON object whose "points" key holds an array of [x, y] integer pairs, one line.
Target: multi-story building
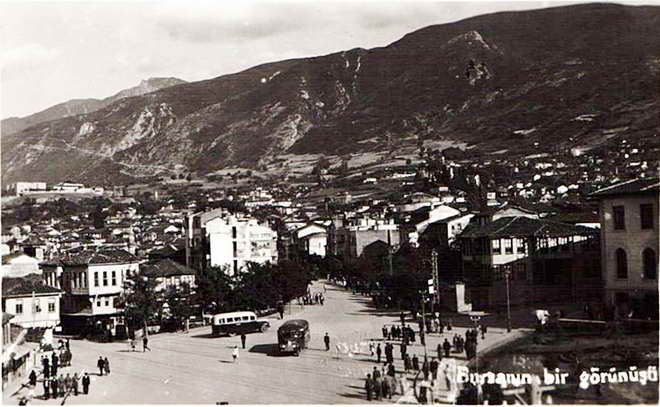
{"points": [[544, 261], [348, 238], [19, 188], [217, 239], [630, 245], [93, 281], [168, 273]]}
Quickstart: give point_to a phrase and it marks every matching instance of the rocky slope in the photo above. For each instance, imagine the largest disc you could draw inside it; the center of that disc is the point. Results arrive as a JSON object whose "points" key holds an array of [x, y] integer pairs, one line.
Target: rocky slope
{"points": [[82, 106], [560, 77]]}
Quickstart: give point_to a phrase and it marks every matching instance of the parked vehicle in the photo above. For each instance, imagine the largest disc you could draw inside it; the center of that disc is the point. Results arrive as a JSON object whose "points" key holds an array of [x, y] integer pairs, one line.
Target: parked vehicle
{"points": [[293, 336], [232, 323]]}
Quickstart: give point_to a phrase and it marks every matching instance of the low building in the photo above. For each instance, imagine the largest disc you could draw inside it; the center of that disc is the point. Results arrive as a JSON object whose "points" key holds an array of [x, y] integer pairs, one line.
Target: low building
{"points": [[19, 265], [33, 303], [630, 245], [348, 238], [169, 274]]}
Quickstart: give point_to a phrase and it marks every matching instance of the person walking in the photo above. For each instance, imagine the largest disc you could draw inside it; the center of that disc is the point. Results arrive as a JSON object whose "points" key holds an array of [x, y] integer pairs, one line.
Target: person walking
{"points": [[415, 363], [434, 369], [243, 339], [106, 365], [391, 371], [74, 383], [378, 386], [404, 349], [101, 365], [46, 384], [68, 344], [384, 330], [33, 378], [280, 310], [447, 347], [133, 345], [85, 383], [385, 388], [234, 354], [376, 373], [326, 340], [68, 385], [145, 344], [406, 362], [378, 353], [55, 364], [53, 387], [61, 385], [369, 386]]}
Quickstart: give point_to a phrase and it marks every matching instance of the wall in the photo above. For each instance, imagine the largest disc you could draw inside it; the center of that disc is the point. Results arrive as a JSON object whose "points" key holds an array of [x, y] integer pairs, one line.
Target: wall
{"points": [[28, 318]]}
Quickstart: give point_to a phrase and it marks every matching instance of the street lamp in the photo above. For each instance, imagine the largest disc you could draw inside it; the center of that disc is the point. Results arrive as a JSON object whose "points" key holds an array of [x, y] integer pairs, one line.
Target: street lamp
{"points": [[507, 274]]}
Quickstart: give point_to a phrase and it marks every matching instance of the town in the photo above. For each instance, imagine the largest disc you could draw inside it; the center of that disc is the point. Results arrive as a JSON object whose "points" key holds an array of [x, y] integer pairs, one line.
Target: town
{"points": [[518, 251]]}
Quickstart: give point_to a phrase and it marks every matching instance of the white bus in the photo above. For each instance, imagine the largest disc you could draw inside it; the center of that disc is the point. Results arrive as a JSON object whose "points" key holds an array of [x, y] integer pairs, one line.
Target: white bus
{"points": [[242, 322]]}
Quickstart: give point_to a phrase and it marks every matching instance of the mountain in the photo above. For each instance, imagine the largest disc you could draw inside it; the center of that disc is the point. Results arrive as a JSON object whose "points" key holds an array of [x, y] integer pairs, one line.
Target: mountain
{"points": [[82, 106], [558, 77]]}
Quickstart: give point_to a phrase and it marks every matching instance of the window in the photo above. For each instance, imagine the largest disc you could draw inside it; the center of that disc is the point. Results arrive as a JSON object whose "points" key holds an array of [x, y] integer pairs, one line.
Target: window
{"points": [[508, 246], [114, 277], [37, 306], [646, 216], [246, 318], [96, 279], [105, 278], [107, 302], [621, 264], [98, 303], [520, 272], [19, 308], [230, 319], [497, 249], [51, 306], [650, 264], [619, 213]]}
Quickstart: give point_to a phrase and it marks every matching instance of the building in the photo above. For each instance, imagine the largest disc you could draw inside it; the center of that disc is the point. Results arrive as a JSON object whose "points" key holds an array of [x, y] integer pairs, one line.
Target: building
{"points": [[169, 274], [630, 245], [217, 239], [19, 188], [545, 261], [33, 303], [348, 238], [93, 281], [308, 240], [19, 265]]}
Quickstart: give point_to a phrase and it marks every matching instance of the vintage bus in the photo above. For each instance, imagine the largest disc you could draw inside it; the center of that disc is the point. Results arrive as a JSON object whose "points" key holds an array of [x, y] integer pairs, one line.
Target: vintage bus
{"points": [[232, 323], [293, 336]]}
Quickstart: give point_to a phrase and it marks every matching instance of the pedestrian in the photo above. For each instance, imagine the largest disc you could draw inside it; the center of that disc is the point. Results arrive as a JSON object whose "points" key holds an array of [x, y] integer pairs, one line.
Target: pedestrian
{"points": [[404, 349], [106, 365], [434, 369], [422, 337], [322, 298], [378, 386], [133, 344], [439, 350], [406, 362], [61, 385], [280, 310], [378, 353], [415, 363], [101, 365], [33, 378], [425, 368], [74, 383], [390, 370], [369, 386], [483, 331], [68, 385], [85, 383], [145, 344], [402, 316], [243, 338], [376, 373], [234, 353], [68, 345], [46, 384], [326, 340], [55, 364], [371, 348], [53, 387], [384, 332], [385, 388], [447, 347]]}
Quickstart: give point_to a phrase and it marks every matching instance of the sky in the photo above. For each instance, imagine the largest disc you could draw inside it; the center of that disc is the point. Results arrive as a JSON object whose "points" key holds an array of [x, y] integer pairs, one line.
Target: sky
{"points": [[54, 51]]}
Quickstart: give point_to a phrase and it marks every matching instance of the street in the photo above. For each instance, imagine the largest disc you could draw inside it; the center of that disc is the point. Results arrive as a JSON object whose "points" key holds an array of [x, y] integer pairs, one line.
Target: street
{"points": [[197, 368]]}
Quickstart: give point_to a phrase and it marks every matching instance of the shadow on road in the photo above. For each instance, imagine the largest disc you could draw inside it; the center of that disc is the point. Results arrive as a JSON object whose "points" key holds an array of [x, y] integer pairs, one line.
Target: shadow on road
{"points": [[352, 396], [269, 349], [203, 336]]}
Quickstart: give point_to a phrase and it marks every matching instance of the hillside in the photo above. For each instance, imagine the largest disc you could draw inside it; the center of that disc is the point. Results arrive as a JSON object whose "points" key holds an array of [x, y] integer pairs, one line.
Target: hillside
{"points": [[82, 106], [559, 77]]}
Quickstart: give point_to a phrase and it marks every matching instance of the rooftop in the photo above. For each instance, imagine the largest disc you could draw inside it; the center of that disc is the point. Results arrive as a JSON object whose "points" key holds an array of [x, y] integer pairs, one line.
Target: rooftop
{"points": [[521, 226], [32, 283], [643, 186], [102, 256], [166, 268]]}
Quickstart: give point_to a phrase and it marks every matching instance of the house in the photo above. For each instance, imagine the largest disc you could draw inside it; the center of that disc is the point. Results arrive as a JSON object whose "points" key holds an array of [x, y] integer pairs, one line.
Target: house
{"points": [[19, 264], [169, 274], [630, 245], [32, 302], [544, 260], [92, 281], [348, 237]]}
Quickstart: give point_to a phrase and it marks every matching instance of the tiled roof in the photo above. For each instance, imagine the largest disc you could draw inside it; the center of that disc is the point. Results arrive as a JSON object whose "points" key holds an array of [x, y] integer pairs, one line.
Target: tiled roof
{"points": [[524, 226], [166, 268], [16, 286], [102, 256], [6, 317], [635, 186]]}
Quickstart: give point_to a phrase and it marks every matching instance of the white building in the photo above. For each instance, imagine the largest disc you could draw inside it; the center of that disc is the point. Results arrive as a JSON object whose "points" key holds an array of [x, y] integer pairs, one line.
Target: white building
{"points": [[33, 303], [19, 188]]}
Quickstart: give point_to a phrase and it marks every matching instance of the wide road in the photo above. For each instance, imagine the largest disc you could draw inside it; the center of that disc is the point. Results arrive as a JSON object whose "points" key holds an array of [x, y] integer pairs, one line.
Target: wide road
{"points": [[197, 368]]}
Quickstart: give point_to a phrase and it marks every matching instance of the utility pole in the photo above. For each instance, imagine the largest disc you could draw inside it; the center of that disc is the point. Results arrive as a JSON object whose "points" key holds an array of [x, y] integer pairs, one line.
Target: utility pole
{"points": [[507, 274], [436, 282]]}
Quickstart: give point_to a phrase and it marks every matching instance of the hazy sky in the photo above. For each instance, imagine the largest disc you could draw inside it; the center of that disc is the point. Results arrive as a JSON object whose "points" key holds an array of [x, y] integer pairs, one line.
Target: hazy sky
{"points": [[54, 51]]}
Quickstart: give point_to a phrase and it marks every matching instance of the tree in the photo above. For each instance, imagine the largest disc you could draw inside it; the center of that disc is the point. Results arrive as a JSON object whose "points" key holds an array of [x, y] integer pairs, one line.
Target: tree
{"points": [[215, 290], [178, 304], [140, 300]]}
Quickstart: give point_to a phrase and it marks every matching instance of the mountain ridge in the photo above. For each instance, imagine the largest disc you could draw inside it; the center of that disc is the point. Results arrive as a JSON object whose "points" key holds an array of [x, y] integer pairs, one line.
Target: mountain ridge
{"points": [[502, 80]]}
